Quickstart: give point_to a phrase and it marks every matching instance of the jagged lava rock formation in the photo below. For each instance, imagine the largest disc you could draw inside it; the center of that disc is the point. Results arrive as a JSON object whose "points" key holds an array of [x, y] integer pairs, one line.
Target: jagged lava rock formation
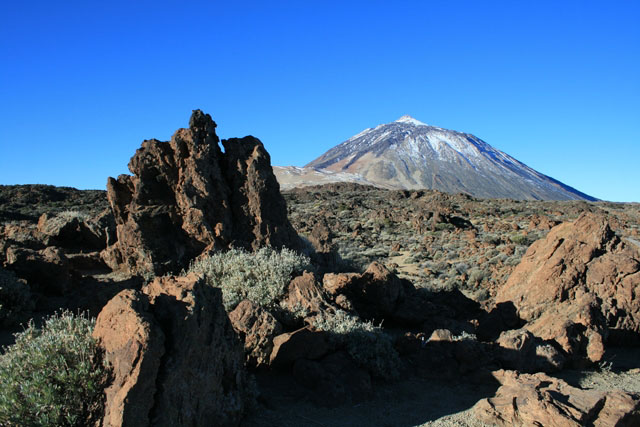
{"points": [[408, 154], [187, 198], [577, 286], [175, 357], [541, 400]]}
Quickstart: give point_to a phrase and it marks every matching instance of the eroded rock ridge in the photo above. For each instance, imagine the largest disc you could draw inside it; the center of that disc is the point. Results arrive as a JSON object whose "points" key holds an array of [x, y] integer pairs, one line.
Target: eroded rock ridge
{"points": [[187, 197]]}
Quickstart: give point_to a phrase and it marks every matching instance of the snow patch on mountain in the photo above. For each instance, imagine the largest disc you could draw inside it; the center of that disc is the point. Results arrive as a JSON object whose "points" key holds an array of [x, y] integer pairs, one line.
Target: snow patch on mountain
{"points": [[410, 120], [410, 154]]}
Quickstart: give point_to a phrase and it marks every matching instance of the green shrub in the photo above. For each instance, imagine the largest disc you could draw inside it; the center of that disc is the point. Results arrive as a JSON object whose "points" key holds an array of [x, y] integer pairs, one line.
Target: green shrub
{"points": [[451, 284], [261, 277], [477, 275], [53, 376], [513, 260], [492, 239], [366, 343], [15, 299], [442, 226], [520, 239]]}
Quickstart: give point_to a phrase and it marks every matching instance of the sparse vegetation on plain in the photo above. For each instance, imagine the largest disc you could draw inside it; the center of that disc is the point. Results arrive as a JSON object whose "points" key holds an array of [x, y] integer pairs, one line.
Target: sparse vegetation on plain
{"points": [[440, 243]]}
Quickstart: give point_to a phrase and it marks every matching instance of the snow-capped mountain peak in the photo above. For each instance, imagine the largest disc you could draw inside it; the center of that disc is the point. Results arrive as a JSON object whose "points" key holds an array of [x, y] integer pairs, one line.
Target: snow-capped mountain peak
{"points": [[410, 120], [410, 154]]}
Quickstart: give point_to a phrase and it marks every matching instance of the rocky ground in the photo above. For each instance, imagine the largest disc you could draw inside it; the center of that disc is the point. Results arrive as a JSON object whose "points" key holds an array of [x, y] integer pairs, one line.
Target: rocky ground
{"points": [[417, 308], [438, 240]]}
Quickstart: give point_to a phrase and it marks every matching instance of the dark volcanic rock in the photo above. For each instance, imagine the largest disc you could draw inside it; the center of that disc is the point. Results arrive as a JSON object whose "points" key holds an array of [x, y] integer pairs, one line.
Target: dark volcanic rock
{"points": [[305, 343], [176, 357], [257, 329], [519, 349], [75, 231], [538, 399], [576, 286], [134, 345], [188, 197], [48, 270], [305, 294], [258, 210]]}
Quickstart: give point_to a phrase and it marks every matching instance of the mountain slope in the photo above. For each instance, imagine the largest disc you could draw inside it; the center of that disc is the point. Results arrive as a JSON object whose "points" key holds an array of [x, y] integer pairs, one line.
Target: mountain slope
{"points": [[292, 176], [410, 154]]}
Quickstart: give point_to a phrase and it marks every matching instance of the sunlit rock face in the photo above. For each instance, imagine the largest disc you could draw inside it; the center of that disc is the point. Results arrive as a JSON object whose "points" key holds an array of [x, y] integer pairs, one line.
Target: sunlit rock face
{"points": [[187, 197]]}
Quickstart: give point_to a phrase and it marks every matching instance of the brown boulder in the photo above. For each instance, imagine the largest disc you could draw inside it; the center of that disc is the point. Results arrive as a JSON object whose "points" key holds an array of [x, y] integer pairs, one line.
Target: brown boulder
{"points": [[258, 210], [376, 293], [539, 222], [578, 281], [305, 295], [257, 329], [338, 283], [22, 234], [321, 236], [324, 255], [576, 326], [537, 399], [381, 289], [134, 345], [197, 369], [441, 335], [187, 197], [305, 343], [47, 270], [75, 231], [520, 350]]}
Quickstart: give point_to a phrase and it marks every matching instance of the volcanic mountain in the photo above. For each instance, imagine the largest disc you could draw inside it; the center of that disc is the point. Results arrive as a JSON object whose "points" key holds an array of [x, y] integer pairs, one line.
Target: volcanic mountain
{"points": [[409, 154]]}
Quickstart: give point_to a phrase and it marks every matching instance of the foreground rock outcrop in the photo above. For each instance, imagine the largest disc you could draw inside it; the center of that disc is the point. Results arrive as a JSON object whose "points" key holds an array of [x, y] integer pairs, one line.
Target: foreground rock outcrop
{"points": [[187, 197], [175, 356], [538, 399], [578, 286]]}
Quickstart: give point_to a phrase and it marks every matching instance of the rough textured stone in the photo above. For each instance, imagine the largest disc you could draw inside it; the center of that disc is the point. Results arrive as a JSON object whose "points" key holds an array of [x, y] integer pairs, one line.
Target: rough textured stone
{"points": [[305, 295], [526, 400], [134, 345], [305, 343], [519, 349], [202, 376], [576, 326], [338, 283], [176, 353], [441, 335], [188, 197], [257, 328], [376, 293], [381, 289], [72, 230], [577, 283], [47, 270]]}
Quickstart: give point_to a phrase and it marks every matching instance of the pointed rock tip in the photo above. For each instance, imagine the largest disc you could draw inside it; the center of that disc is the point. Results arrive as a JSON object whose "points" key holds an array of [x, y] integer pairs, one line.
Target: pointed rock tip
{"points": [[201, 120]]}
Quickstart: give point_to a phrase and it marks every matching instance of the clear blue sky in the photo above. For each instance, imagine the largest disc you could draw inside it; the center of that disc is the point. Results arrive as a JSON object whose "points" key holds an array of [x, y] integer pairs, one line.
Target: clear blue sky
{"points": [[555, 84]]}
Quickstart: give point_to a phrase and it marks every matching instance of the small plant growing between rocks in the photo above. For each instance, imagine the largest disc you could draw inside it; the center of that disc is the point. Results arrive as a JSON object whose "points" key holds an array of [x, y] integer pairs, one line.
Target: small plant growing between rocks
{"points": [[366, 343], [261, 277], [72, 214], [520, 239], [53, 376]]}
